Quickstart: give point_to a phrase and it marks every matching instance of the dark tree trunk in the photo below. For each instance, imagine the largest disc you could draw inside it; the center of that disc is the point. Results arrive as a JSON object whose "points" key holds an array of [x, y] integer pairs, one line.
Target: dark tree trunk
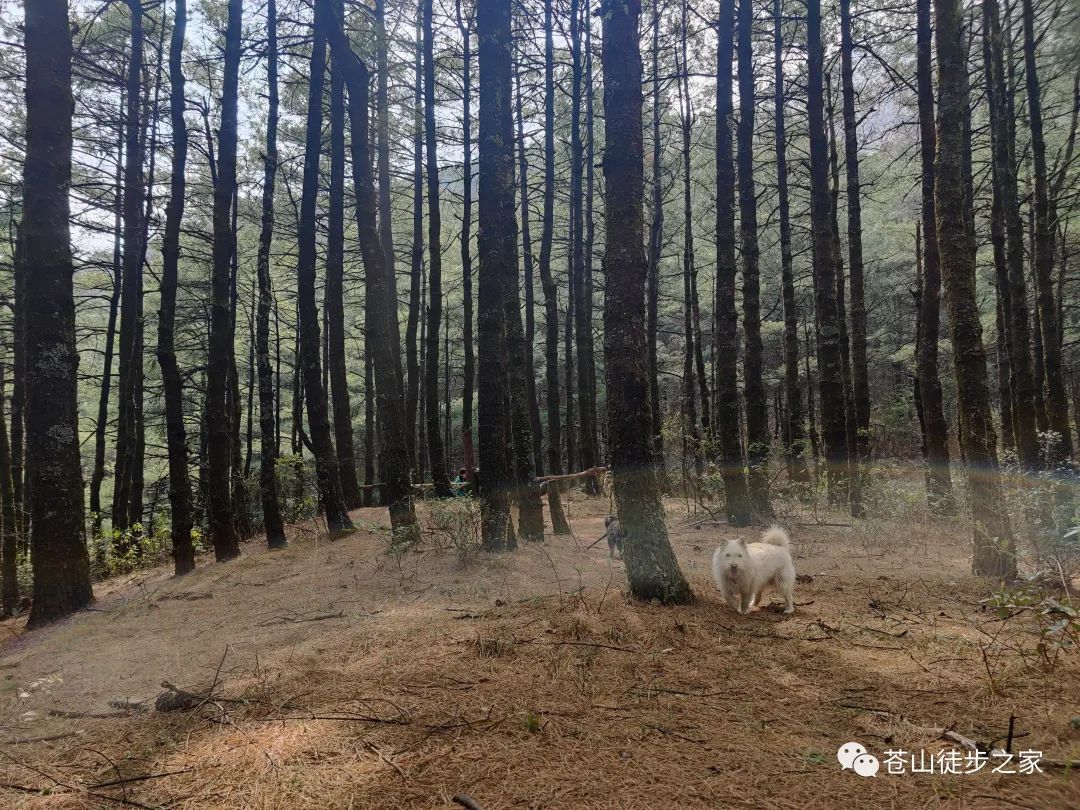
{"points": [[1007, 233], [559, 524], [369, 429], [830, 361], [219, 489], [466, 230], [241, 498], [128, 460], [498, 263], [854, 483], [102, 424], [939, 494], [582, 255], [651, 567], [385, 213], [379, 320], [859, 370], [994, 547], [19, 474], [1057, 404], [691, 433], [436, 451], [172, 382], [757, 404], [794, 430], [9, 529], [815, 447], [61, 565], [329, 482], [268, 444], [737, 499], [530, 270], [416, 264], [656, 239], [334, 299]]}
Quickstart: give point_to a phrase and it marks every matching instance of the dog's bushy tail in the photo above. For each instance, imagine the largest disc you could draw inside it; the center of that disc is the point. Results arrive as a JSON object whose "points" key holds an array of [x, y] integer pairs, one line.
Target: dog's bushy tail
{"points": [[775, 536]]}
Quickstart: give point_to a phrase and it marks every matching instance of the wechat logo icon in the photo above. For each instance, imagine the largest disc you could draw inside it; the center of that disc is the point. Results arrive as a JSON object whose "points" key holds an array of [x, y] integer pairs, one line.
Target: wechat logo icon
{"points": [[853, 756]]}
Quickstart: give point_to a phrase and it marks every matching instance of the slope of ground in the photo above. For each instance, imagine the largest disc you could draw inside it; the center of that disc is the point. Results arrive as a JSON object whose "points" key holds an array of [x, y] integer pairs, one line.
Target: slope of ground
{"points": [[346, 676]]}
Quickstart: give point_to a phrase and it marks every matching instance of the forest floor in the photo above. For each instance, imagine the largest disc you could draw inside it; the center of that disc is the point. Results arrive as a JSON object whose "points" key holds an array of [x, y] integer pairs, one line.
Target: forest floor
{"points": [[344, 676]]}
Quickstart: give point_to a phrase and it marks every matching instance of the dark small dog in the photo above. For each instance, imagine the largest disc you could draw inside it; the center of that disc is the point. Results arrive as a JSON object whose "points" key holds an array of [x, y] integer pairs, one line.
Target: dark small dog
{"points": [[615, 535]]}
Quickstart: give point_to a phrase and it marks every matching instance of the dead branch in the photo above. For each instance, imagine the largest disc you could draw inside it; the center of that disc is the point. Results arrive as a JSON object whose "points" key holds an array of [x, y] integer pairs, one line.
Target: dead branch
{"points": [[466, 802]]}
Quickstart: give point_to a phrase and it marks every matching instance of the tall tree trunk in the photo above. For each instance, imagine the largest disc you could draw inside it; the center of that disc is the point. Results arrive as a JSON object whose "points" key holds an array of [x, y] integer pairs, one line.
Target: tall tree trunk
{"points": [[939, 494], [583, 295], [9, 528], [994, 546], [651, 567], [530, 303], [1057, 404], [854, 488], [436, 452], [652, 283], [732, 468], [131, 350], [175, 431], [326, 467], [334, 297], [498, 262], [859, 369], [757, 404], [369, 428], [416, 264], [385, 207], [466, 229], [559, 524], [61, 565], [219, 490], [19, 473], [102, 422], [690, 430], [574, 256], [268, 444], [379, 319], [794, 430]]}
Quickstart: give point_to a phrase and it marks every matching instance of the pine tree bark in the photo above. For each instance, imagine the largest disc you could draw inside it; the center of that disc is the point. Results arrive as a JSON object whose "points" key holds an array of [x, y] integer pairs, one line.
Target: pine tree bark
{"points": [[97, 476], [334, 298], [1008, 238], [559, 523], [385, 207], [379, 320], [691, 432], [128, 459], [219, 489], [416, 263], [466, 228], [736, 495], [860, 380], [268, 433], [939, 493], [326, 466], [182, 521], [9, 529], [652, 283], [436, 451], [651, 567], [994, 554], [794, 430], [757, 404], [1057, 403], [583, 294], [498, 261], [530, 273], [60, 563]]}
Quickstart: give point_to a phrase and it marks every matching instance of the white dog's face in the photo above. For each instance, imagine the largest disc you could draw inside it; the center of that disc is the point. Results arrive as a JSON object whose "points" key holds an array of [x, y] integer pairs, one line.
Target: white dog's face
{"points": [[734, 556]]}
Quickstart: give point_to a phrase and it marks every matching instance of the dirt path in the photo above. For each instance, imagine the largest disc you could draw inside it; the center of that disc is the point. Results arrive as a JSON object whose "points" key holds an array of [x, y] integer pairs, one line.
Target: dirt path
{"points": [[529, 680]]}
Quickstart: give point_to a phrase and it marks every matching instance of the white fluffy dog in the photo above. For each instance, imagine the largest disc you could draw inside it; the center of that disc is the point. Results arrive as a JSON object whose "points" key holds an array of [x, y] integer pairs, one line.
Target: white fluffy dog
{"points": [[742, 571]]}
